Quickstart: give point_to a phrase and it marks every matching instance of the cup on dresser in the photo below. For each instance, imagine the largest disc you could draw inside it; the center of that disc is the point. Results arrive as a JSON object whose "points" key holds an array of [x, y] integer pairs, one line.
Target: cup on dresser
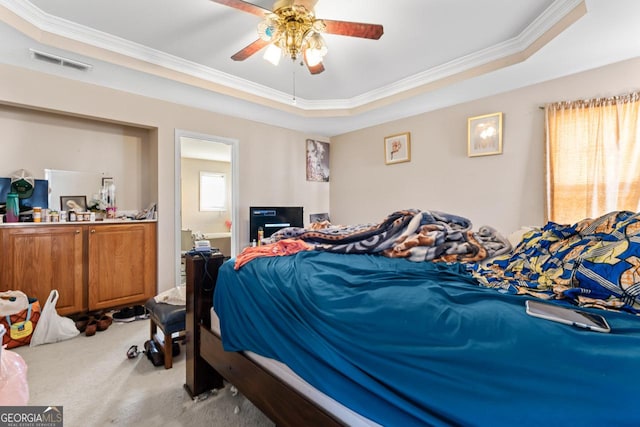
{"points": [[12, 208], [37, 214], [111, 212]]}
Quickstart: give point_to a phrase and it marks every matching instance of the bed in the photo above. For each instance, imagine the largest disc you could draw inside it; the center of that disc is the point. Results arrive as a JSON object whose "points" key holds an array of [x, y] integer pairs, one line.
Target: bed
{"points": [[388, 336]]}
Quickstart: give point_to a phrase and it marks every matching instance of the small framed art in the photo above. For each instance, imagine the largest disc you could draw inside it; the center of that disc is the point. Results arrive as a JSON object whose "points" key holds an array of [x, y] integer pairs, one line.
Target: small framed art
{"points": [[397, 148], [73, 203], [484, 135]]}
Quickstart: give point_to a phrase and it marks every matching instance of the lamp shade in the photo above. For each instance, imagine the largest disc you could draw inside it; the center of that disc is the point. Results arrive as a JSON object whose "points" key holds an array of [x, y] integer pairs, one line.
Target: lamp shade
{"points": [[316, 50], [273, 54]]}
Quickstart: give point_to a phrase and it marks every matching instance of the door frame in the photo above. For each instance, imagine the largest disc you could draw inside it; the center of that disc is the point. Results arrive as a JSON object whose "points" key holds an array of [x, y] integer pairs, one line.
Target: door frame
{"points": [[235, 175]]}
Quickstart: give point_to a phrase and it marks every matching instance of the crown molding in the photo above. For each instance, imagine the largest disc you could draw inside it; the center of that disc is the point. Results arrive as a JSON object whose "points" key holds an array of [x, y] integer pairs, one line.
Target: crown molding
{"points": [[544, 23], [516, 48]]}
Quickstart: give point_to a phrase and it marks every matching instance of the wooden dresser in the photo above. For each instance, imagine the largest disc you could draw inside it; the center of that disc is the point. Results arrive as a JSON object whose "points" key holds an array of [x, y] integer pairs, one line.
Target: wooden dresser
{"points": [[93, 265]]}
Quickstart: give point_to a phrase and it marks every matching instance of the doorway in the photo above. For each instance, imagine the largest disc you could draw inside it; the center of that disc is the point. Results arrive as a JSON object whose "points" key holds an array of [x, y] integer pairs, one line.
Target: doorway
{"points": [[196, 156]]}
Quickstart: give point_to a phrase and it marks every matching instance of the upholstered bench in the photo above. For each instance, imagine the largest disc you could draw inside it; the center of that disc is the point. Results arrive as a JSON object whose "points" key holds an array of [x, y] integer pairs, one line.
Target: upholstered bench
{"points": [[170, 319]]}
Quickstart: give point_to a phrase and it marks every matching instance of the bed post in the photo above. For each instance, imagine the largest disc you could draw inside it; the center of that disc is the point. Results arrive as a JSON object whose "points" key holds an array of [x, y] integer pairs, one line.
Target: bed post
{"points": [[201, 272]]}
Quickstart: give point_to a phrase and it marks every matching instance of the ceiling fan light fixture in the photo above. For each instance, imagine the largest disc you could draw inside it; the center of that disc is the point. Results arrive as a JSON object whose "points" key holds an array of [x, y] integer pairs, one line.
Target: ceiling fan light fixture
{"points": [[291, 29], [312, 57], [273, 54], [315, 51], [268, 29]]}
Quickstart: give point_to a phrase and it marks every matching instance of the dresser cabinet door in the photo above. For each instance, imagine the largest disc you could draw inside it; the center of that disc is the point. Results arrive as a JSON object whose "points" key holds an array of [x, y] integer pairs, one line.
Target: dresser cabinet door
{"points": [[121, 264], [38, 259]]}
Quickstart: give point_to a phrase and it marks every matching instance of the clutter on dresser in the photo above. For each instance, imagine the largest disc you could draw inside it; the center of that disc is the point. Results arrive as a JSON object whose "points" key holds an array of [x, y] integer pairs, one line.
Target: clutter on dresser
{"points": [[26, 199], [12, 208], [20, 194]]}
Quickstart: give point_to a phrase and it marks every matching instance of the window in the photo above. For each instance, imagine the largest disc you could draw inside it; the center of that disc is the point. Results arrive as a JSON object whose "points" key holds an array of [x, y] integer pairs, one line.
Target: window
{"points": [[593, 157], [213, 191]]}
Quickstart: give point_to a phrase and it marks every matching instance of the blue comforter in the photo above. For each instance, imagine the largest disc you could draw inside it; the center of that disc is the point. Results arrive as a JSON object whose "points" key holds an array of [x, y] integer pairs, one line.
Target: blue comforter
{"points": [[407, 343]]}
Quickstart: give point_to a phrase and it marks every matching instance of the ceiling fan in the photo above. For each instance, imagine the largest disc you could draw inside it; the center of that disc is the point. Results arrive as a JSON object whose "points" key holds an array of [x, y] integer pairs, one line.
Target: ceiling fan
{"points": [[292, 29]]}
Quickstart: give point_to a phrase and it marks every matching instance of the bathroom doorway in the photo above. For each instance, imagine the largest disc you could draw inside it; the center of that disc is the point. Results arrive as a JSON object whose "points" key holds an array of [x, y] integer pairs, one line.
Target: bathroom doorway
{"points": [[202, 161]]}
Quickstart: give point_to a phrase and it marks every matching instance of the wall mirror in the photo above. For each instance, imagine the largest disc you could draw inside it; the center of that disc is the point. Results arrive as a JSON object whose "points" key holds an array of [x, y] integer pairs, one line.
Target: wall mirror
{"points": [[71, 183]]}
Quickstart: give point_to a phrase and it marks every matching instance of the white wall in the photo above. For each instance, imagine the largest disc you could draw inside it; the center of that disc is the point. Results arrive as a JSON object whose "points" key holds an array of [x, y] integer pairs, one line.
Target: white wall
{"points": [[504, 191]]}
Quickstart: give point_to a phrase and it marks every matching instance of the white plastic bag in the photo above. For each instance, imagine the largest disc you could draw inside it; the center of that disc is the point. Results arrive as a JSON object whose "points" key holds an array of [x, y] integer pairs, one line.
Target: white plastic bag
{"points": [[52, 327]]}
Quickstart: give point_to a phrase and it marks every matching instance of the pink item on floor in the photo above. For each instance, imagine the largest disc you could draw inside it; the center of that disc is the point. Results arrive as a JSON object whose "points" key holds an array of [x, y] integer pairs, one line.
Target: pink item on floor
{"points": [[14, 388]]}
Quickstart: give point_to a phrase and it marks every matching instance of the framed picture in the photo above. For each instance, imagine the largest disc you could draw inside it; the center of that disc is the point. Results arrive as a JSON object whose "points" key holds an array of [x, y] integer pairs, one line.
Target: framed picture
{"points": [[397, 148], [484, 135], [317, 161], [106, 180], [73, 203]]}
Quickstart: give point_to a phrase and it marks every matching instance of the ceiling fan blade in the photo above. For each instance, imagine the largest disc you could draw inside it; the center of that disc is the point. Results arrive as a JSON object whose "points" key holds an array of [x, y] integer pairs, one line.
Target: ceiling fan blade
{"points": [[249, 50], [353, 29], [316, 69], [244, 6]]}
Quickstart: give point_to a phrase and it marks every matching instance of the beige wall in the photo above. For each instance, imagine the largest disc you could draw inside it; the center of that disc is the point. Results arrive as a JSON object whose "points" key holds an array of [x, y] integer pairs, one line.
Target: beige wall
{"points": [[271, 159], [192, 218], [504, 191], [37, 140]]}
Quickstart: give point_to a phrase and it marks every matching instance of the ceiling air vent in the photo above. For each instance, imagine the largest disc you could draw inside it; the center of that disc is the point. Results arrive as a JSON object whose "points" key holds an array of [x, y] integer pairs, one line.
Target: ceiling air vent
{"points": [[59, 60]]}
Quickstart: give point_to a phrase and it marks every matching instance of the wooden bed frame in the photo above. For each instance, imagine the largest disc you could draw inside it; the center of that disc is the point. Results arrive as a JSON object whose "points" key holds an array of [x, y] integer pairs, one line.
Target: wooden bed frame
{"points": [[208, 365]]}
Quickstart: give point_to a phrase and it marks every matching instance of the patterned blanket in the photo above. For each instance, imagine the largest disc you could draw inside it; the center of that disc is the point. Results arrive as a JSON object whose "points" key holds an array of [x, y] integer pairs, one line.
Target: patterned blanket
{"points": [[412, 234], [594, 263]]}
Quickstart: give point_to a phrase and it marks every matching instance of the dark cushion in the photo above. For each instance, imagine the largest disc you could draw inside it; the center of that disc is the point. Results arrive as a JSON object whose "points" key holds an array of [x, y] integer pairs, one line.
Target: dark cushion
{"points": [[170, 317]]}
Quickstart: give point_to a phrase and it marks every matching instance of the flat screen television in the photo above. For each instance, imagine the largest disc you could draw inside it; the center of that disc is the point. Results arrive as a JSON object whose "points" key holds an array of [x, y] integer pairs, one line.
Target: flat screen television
{"points": [[39, 197], [273, 218]]}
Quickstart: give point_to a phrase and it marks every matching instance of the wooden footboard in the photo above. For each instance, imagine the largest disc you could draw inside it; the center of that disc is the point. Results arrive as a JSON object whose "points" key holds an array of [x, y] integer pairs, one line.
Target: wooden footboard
{"points": [[208, 363], [201, 280]]}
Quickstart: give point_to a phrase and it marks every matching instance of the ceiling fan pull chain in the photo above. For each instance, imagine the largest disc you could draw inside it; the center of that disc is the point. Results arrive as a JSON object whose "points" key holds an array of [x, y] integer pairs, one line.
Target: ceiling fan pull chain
{"points": [[294, 87]]}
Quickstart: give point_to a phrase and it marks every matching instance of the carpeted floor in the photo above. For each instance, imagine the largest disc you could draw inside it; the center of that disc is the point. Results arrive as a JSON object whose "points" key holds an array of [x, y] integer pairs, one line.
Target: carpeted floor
{"points": [[95, 383]]}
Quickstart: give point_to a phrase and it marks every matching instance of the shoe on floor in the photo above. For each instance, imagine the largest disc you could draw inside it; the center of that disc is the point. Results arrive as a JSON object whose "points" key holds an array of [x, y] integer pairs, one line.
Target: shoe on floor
{"points": [[104, 322], [153, 353], [91, 328], [82, 322], [125, 315], [141, 312]]}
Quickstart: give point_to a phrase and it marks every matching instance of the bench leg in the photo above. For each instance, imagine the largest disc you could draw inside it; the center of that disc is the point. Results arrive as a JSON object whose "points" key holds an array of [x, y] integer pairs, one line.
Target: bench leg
{"points": [[153, 328], [168, 351]]}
